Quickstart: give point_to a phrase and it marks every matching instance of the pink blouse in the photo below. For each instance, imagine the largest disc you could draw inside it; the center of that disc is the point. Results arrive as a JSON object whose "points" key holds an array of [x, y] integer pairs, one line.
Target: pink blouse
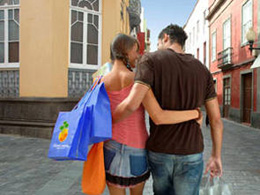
{"points": [[132, 130]]}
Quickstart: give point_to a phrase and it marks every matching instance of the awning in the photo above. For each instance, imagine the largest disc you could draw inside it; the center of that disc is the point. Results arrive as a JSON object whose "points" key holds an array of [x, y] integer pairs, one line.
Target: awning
{"points": [[256, 63]]}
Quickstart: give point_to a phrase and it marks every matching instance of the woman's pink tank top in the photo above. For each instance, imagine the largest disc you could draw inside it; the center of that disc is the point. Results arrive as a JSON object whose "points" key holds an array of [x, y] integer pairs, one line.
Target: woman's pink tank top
{"points": [[132, 130]]}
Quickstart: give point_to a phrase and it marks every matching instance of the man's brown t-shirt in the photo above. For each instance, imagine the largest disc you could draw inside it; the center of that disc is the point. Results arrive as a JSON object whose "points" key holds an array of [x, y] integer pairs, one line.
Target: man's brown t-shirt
{"points": [[179, 82]]}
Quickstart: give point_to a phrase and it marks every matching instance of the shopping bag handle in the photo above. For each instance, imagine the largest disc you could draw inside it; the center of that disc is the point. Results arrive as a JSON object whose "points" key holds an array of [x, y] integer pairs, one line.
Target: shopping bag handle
{"points": [[87, 94], [96, 82]]}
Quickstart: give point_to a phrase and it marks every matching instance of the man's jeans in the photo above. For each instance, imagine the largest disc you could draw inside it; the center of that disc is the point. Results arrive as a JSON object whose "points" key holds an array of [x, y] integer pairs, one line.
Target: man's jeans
{"points": [[176, 174]]}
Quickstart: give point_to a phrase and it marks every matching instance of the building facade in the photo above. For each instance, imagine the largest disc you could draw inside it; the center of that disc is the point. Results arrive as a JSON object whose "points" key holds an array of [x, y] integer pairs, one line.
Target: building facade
{"points": [[48, 53], [197, 30], [237, 85], [51, 48], [145, 31]]}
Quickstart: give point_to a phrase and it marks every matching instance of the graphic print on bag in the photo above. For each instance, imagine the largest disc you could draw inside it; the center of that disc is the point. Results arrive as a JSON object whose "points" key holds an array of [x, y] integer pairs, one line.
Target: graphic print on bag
{"points": [[64, 131]]}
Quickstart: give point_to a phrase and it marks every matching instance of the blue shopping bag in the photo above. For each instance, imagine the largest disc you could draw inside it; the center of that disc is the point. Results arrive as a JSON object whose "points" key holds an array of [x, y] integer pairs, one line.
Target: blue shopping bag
{"points": [[69, 141], [101, 120], [77, 129], [68, 136]]}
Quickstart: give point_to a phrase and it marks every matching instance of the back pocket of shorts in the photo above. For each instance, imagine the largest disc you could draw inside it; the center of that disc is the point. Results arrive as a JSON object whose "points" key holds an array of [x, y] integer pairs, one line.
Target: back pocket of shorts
{"points": [[138, 165], [108, 157]]}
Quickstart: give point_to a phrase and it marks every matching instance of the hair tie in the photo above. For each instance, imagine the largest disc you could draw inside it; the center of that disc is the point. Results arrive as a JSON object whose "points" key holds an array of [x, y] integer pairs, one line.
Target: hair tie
{"points": [[128, 66]]}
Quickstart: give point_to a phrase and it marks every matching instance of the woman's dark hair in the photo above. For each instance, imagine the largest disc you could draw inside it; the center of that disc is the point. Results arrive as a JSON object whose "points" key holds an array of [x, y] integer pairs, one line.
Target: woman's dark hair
{"points": [[120, 46], [176, 34]]}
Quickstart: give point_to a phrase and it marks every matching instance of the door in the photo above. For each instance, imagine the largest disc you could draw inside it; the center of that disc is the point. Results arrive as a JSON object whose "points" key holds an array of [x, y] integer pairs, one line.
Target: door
{"points": [[247, 97], [226, 97]]}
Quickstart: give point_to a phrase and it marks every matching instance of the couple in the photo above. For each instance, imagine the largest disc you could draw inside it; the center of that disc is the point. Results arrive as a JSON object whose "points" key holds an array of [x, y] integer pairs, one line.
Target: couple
{"points": [[173, 152]]}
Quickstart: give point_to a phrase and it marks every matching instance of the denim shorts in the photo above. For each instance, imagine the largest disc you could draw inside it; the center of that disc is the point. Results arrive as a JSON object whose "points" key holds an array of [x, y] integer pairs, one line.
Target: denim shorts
{"points": [[125, 166]]}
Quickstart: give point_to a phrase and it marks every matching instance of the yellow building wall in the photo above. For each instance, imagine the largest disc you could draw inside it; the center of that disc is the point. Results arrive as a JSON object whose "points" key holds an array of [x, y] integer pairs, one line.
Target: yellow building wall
{"points": [[44, 48], [125, 24], [44, 43], [112, 24]]}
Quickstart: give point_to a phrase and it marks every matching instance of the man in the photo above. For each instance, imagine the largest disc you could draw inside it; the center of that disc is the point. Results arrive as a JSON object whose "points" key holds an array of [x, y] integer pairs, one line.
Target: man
{"points": [[179, 82]]}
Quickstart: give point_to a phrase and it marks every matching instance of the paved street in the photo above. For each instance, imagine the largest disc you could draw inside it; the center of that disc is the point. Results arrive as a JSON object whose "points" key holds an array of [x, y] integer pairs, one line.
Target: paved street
{"points": [[25, 169]]}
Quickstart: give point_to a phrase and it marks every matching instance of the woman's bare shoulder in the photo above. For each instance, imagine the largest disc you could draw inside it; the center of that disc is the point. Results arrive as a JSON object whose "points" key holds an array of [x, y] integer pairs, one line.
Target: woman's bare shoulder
{"points": [[118, 80], [110, 80], [128, 78]]}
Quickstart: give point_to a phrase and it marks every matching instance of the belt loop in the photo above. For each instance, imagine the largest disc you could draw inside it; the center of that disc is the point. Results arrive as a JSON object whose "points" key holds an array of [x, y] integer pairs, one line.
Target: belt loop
{"points": [[122, 148]]}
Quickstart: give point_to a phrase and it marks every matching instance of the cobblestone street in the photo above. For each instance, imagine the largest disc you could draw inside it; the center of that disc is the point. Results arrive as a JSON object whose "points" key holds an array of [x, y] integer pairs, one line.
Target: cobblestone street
{"points": [[25, 168], [66, 66]]}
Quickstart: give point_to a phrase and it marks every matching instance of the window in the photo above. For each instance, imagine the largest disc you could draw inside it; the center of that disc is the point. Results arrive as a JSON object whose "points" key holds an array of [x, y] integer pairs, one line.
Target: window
{"points": [[198, 29], [226, 34], [85, 35], [9, 2], [122, 10], [227, 91], [9, 33], [226, 41], [193, 33], [190, 41], [204, 53], [213, 46], [204, 21], [215, 85], [246, 19]]}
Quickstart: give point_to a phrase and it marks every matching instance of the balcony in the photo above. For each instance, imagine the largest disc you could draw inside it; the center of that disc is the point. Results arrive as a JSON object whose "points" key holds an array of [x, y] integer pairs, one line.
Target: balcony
{"points": [[225, 59], [134, 10]]}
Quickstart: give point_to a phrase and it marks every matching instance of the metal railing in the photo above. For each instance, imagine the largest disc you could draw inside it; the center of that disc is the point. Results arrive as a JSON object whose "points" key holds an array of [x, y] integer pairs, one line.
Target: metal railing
{"points": [[79, 81], [9, 83], [225, 58]]}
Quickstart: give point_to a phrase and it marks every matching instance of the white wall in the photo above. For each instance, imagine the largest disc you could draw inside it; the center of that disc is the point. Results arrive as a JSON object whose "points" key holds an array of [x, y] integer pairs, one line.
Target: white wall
{"points": [[142, 20], [196, 40]]}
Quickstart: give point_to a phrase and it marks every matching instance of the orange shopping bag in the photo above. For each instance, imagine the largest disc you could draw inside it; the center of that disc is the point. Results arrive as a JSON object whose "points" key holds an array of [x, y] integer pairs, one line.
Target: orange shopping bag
{"points": [[93, 175]]}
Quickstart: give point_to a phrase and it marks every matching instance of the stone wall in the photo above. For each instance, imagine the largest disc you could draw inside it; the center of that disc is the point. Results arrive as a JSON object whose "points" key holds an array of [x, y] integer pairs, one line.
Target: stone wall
{"points": [[33, 117]]}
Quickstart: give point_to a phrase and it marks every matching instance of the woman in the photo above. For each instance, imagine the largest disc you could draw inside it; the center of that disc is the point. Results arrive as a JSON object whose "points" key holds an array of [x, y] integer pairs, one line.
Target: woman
{"points": [[125, 155]]}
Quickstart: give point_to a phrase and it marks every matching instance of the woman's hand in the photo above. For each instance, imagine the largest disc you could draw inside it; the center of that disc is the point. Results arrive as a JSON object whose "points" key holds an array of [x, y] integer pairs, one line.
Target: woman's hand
{"points": [[199, 120]]}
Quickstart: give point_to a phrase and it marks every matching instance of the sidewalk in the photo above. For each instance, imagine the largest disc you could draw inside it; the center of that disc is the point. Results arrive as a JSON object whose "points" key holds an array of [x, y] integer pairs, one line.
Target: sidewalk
{"points": [[26, 170]]}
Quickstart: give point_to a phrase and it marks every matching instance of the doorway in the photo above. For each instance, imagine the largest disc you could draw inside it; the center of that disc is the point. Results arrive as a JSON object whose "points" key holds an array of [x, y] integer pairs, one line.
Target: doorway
{"points": [[226, 97], [247, 97]]}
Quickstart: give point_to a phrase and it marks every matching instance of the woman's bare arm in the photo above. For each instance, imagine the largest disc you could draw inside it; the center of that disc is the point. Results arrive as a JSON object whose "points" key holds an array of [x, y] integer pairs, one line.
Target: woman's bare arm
{"points": [[160, 116]]}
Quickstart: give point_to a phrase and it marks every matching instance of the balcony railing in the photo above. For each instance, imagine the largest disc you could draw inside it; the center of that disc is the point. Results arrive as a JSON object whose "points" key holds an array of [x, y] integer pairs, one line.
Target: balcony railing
{"points": [[225, 58]]}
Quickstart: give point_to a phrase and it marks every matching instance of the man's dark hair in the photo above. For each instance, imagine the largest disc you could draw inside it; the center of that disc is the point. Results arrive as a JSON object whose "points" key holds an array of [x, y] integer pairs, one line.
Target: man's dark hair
{"points": [[176, 34]]}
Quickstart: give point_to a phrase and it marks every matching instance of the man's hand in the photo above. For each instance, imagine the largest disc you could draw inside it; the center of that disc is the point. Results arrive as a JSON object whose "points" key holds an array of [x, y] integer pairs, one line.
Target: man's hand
{"points": [[214, 165]]}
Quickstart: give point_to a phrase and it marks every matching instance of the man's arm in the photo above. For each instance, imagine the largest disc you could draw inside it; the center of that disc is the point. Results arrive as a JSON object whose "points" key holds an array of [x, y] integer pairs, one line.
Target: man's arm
{"points": [[131, 103], [214, 164]]}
